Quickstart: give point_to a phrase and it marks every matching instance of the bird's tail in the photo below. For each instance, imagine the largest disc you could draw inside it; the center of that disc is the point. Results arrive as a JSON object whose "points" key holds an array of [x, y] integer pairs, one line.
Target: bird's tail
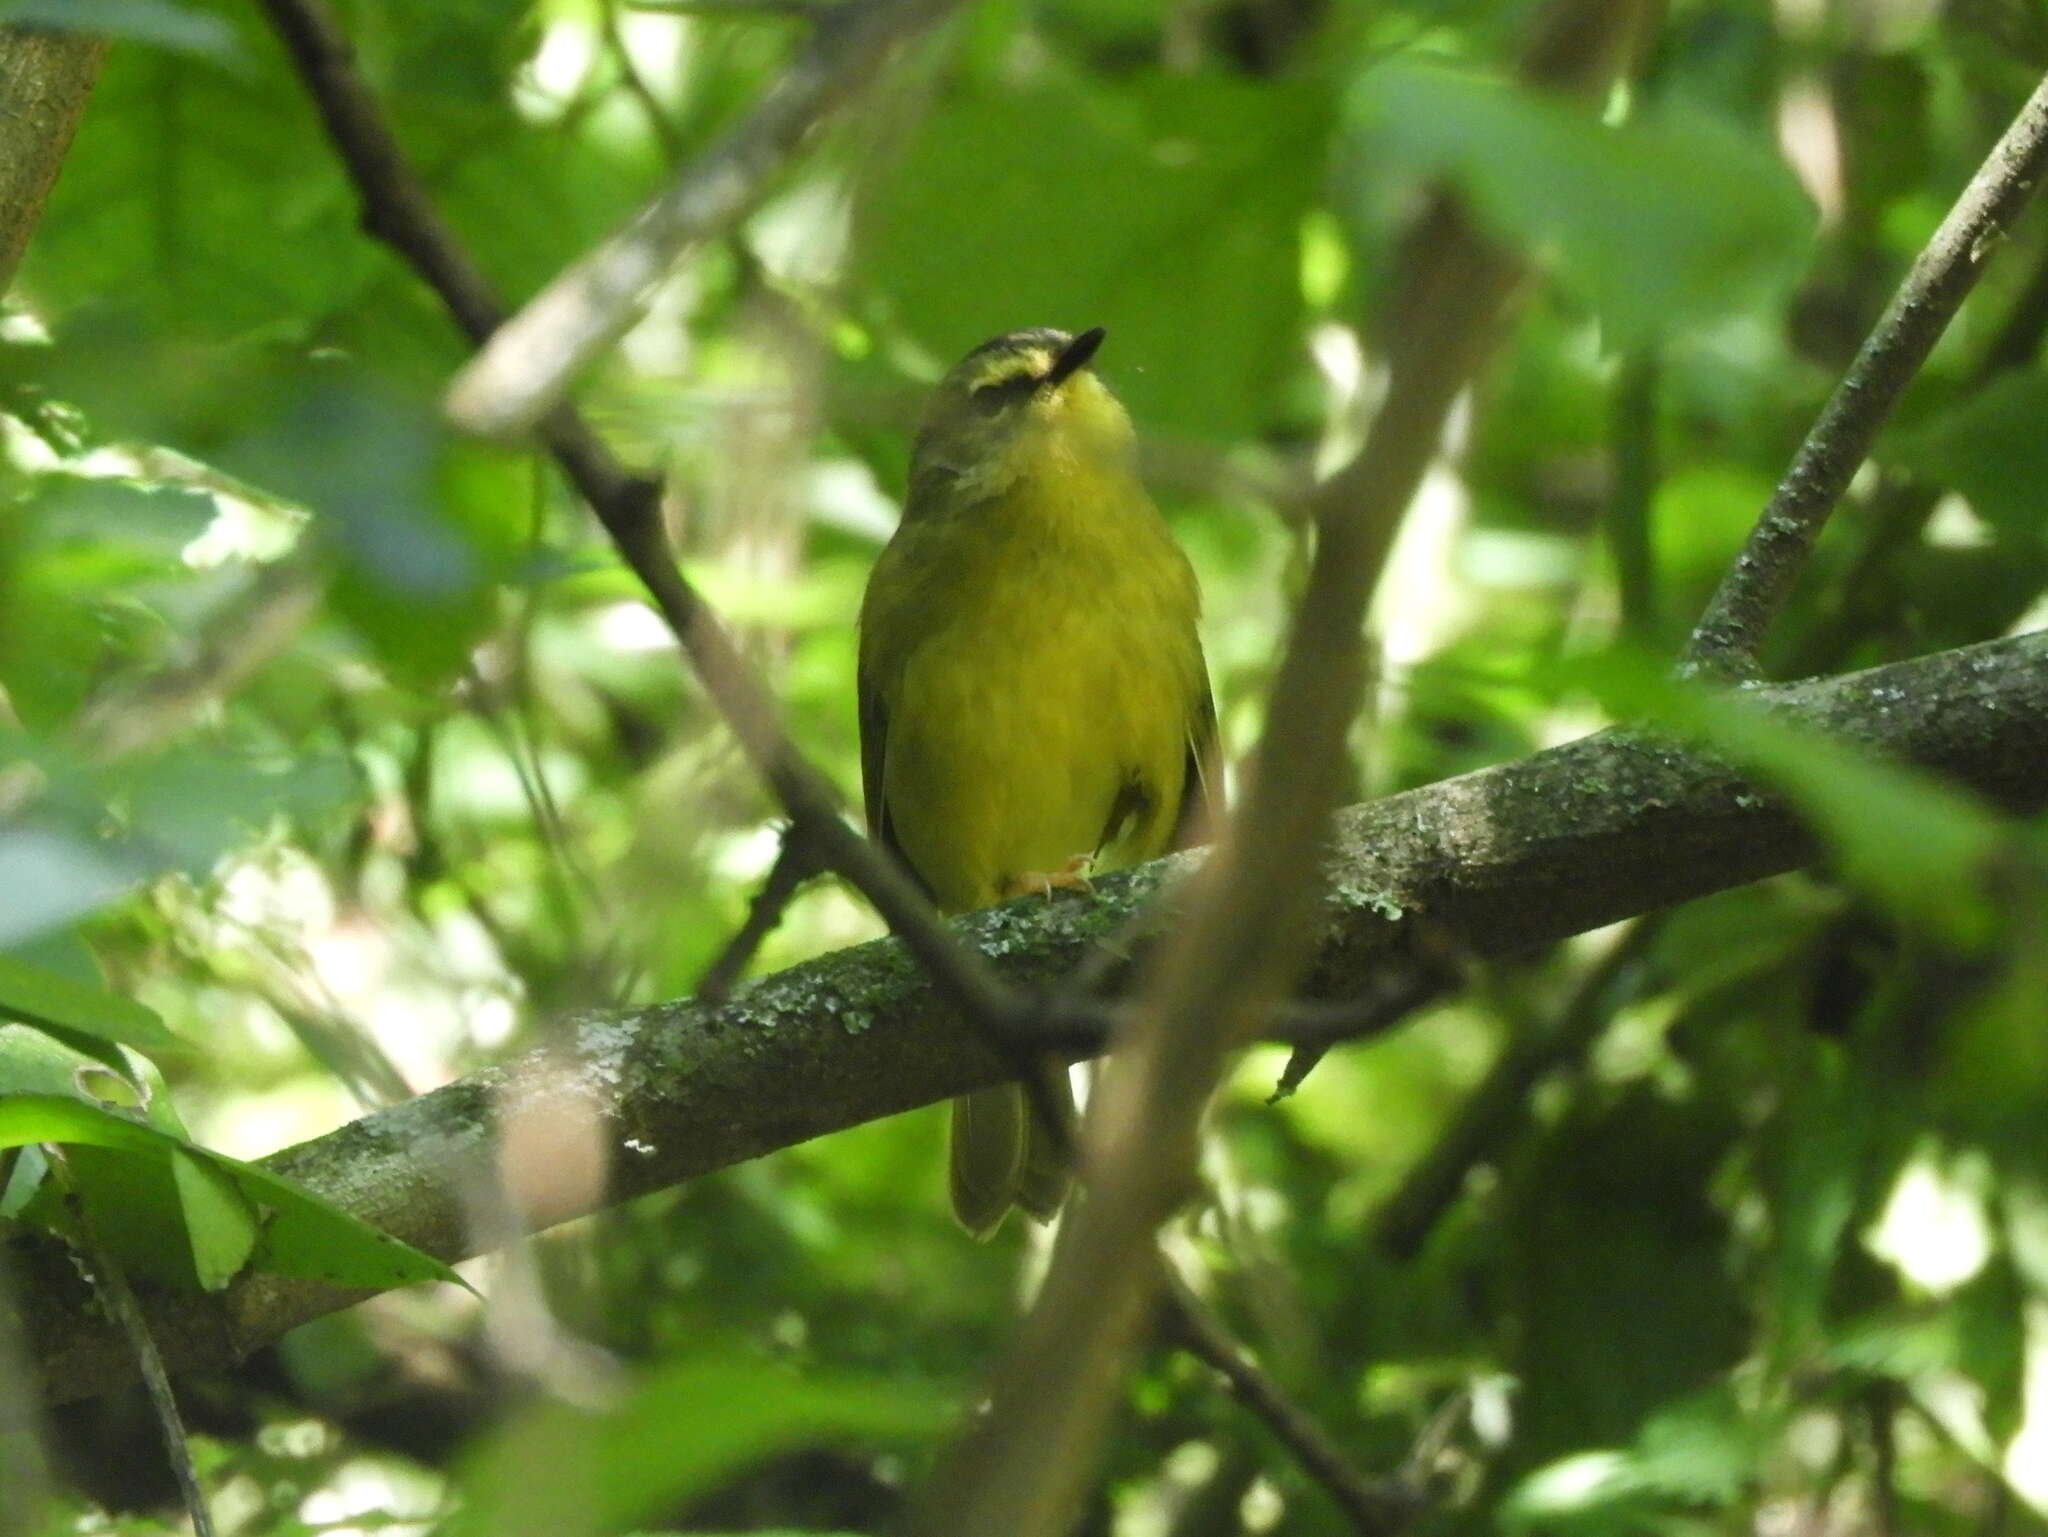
{"points": [[1004, 1154]]}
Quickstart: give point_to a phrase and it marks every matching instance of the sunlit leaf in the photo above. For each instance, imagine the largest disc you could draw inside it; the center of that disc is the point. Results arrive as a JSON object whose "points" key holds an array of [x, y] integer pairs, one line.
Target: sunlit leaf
{"points": [[1921, 847], [1660, 223], [1168, 211], [1992, 449], [685, 1429], [41, 997], [220, 1225], [302, 1235], [54, 876], [176, 27]]}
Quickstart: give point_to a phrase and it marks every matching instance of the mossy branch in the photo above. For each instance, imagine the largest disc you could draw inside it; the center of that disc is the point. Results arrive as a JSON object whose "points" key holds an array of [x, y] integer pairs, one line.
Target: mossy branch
{"points": [[1503, 860]]}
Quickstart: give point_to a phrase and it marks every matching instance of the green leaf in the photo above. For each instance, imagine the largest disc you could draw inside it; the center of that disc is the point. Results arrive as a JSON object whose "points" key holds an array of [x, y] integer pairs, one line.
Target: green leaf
{"points": [[391, 496], [1992, 1068], [1918, 846], [156, 520], [207, 198], [220, 1224], [40, 997], [1623, 1299], [53, 876], [1699, 1451], [34, 1060], [1817, 1168], [302, 1234], [314, 1239], [1992, 449], [681, 1433], [190, 806], [1167, 210], [1658, 224], [175, 27]]}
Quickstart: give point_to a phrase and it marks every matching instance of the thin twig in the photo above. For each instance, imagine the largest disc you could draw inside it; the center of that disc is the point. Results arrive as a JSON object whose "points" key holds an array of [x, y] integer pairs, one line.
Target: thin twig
{"points": [[525, 370], [1433, 962], [1729, 636], [793, 866], [1864, 593], [1374, 1508], [110, 1282], [397, 210]]}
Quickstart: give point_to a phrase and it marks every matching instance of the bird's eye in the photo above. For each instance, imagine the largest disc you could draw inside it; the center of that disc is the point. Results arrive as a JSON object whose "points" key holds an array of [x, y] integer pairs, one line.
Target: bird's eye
{"points": [[1000, 392]]}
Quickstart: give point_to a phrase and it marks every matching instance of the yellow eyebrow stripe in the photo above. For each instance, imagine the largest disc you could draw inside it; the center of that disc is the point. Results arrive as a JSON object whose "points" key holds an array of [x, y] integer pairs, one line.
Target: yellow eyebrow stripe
{"points": [[1009, 365]]}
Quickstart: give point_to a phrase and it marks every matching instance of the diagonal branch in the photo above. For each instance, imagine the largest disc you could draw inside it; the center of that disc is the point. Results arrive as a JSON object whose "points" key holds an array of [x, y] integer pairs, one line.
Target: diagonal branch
{"points": [[398, 211], [525, 370], [1729, 636], [1508, 859]]}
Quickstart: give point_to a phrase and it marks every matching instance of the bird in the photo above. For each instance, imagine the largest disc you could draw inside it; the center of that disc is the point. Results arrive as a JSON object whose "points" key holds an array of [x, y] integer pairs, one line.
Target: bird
{"points": [[1034, 703]]}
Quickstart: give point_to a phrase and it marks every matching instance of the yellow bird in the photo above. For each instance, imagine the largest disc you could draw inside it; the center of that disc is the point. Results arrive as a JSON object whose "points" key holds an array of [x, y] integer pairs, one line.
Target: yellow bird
{"points": [[1033, 699]]}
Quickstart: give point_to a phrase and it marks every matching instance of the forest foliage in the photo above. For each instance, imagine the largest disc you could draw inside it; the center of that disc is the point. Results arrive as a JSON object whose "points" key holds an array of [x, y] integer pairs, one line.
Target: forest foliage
{"points": [[340, 756]]}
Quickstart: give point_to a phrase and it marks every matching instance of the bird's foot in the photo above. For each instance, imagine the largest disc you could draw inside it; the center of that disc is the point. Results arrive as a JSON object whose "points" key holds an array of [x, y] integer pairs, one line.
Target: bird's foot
{"points": [[1071, 876]]}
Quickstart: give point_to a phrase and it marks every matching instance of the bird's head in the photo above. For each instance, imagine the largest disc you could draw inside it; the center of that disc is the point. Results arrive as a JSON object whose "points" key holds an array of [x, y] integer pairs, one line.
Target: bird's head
{"points": [[1022, 402]]}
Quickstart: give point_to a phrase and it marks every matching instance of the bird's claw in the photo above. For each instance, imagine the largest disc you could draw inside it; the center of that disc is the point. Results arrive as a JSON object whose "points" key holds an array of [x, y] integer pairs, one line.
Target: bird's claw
{"points": [[1071, 876]]}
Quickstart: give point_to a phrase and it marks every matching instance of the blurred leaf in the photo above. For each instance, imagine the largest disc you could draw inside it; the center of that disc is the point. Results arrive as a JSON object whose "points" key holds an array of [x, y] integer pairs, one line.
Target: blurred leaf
{"points": [[1699, 1452], [191, 806], [54, 876], [176, 27], [373, 469], [1619, 1268], [1069, 201], [418, 524], [1658, 224], [679, 1434], [35, 1061], [158, 519], [302, 1234], [1922, 848], [1588, 1494], [1992, 449], [207, 198], [1818, 1166], [1992, 1073], [42, 998]]}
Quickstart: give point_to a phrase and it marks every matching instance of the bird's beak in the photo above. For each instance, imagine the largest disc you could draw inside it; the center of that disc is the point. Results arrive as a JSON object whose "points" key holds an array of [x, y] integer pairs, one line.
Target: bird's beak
{"points": [[1073, 358]]}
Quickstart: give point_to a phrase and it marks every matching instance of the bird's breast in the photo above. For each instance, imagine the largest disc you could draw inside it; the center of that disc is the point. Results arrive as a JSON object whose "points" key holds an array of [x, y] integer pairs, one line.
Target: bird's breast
{"points": [[1052, 680]]}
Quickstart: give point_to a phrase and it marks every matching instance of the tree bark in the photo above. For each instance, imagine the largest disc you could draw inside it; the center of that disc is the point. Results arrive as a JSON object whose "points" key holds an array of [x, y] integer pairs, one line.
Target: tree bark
{"points": [[44, 80], [1503, 860]]}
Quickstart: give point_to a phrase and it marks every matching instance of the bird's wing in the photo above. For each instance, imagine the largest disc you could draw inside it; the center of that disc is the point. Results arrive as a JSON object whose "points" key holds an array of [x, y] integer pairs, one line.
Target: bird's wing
{"points": [[874, 740], [1201, 796]]}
